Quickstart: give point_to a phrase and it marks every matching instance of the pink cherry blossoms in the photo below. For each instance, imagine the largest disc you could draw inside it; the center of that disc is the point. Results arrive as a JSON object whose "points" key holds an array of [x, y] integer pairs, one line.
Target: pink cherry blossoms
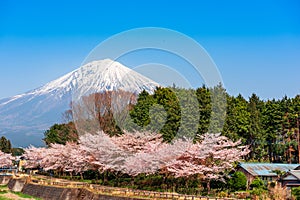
{"points": [[210, 157], [69, 158], [136, 153], [6, 159]]}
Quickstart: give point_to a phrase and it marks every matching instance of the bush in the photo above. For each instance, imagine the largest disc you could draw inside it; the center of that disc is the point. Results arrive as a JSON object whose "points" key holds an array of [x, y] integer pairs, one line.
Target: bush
{"points": [[223, 194], [257, 191], [278, 193], [238, 181], [296, 193], [258, 184]]}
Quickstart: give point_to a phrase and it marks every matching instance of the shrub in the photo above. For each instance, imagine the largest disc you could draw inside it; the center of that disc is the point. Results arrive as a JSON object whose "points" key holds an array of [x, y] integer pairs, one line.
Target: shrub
{"points": [[238, 181], [223, 194], [257, 191], [296, 193], [258, 184], [278, 193]]}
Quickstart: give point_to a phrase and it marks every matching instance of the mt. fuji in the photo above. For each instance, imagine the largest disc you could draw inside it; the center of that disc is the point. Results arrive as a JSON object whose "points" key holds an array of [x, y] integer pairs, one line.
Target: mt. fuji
{"points": [[25, 117]]}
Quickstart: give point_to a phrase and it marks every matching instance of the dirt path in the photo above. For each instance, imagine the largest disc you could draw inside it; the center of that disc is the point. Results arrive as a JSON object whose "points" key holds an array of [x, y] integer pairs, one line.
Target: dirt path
{"points": [[13, 196], [7, 194]]}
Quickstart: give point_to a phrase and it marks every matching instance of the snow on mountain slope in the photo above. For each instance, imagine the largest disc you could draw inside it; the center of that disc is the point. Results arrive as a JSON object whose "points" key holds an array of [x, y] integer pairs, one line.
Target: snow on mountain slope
{"points": [[24, 117]]}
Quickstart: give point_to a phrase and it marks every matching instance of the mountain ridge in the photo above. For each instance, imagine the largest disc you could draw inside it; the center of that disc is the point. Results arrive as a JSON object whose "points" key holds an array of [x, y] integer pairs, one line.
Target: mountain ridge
{"points": [[31, 113]]}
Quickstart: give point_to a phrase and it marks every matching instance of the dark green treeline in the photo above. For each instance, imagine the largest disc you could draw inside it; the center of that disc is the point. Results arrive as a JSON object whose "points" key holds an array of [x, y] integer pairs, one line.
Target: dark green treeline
{"points": [[269, 127]]}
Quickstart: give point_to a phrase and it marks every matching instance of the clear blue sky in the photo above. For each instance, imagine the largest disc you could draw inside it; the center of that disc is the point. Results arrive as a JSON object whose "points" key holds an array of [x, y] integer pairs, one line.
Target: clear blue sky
{"points": [[255, 44]]}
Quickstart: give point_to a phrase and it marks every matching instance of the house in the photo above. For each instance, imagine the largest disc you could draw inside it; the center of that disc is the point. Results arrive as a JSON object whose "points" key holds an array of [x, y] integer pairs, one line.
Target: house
{"points": [[291, 179], [264, 171]]}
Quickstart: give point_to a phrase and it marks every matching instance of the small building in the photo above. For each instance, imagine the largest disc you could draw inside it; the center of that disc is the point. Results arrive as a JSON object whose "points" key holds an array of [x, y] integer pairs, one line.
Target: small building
{"points": [[264, 171], [291, 179]]}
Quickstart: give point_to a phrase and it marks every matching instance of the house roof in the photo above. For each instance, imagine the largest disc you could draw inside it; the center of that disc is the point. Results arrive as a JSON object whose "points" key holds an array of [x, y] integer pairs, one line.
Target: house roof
{"points": [[266, 169], [297, 168], [292, 175], [295, 173]]}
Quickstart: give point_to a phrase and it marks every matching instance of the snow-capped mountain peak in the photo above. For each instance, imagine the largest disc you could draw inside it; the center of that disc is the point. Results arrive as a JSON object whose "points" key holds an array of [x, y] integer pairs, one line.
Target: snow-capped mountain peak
{"points": [[103, 75], [33, 112]]}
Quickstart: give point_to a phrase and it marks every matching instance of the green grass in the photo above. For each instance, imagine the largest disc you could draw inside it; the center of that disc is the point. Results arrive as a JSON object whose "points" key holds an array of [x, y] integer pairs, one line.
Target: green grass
{"points": [[86, 181], [5, 198], [4, 190], [26, 196]]}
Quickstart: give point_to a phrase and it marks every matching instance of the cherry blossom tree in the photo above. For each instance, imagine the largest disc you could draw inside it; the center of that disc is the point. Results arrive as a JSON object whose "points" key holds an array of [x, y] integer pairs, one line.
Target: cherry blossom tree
{"points": [[79, 160], [132, 153], [153, 156], [210, 157], [34, 156], [105, 154], [71, 158], [6, 159], [57, 157], [136, 153]]}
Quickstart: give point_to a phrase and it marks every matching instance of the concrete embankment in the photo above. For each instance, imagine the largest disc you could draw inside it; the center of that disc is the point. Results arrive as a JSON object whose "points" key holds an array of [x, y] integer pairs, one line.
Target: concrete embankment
{"points": [[16, 184], [25, 186], [56, 189], [55, 193], [4, 179]]}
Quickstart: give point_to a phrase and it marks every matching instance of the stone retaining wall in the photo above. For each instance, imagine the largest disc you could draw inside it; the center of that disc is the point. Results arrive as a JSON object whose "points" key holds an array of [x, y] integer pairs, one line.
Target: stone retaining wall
{"points": [[55, 193], [16, 184], [65, 190], [4, 179]]}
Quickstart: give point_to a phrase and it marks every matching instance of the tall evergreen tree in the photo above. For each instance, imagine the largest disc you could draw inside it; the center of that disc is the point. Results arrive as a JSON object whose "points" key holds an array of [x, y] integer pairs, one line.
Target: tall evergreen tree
{"points": [[237, 123], [204, 100], [166, 112], [5, 145], [218, 108], [256, 137], [61, 133], [272, 123], [167, 98], [140, 112], [190, 112]]}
